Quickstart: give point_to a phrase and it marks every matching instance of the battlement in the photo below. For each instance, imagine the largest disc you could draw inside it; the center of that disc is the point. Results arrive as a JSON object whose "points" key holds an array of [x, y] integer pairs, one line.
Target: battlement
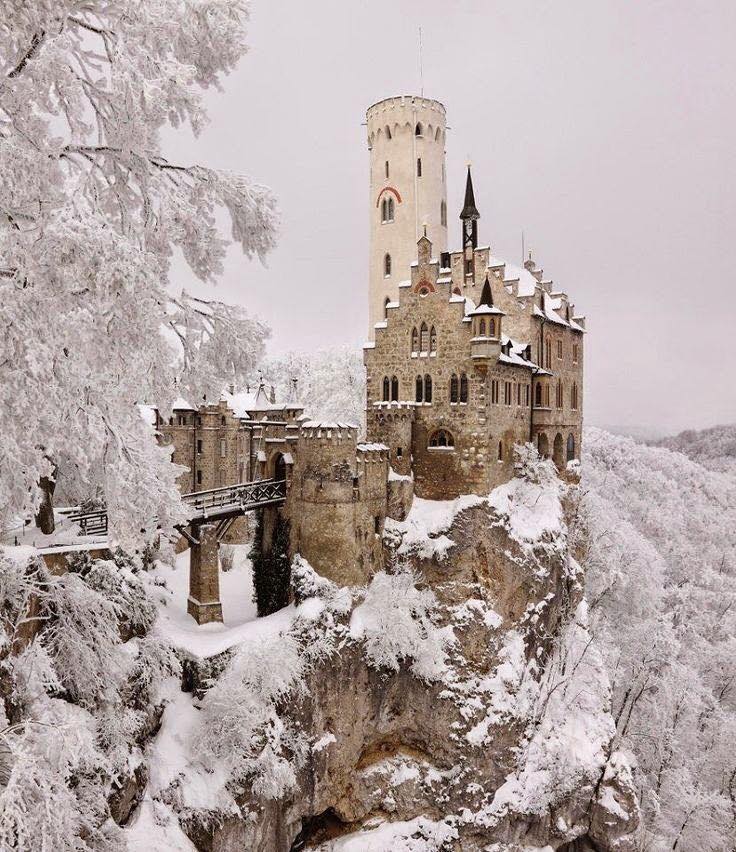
{"points": [[421, 117], [329, 431]]}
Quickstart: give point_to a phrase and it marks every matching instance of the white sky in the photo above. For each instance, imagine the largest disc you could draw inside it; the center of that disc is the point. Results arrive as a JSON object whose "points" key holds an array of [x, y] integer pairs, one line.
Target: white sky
{"points": [[605, 130]]}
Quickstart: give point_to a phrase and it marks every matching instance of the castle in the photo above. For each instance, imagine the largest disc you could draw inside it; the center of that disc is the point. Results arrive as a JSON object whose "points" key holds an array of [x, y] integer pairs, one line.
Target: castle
{"points": [[468, 356]]}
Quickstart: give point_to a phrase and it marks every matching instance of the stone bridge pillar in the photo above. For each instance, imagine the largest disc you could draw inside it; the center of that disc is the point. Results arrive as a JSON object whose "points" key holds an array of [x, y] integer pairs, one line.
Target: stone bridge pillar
{"points": [[204, 576]]}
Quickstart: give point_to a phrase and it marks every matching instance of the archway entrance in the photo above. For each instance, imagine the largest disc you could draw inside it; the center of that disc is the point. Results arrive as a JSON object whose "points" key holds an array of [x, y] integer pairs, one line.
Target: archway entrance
{"points": [[543, 445], [558, 453], [279, 468]]}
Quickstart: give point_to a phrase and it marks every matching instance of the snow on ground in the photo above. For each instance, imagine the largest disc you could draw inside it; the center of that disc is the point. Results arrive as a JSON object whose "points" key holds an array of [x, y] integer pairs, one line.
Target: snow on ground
{"points": [[176, 626], [416, 835], [66, 533]]}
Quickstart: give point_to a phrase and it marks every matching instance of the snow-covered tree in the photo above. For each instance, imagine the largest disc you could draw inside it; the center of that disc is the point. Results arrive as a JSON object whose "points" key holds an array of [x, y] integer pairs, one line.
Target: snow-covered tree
{"points": [[91, 212]]}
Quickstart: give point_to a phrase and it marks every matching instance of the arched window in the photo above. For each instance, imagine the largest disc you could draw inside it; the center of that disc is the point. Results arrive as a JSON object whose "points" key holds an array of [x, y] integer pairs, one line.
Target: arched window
{"points": [[500, 450], [491, 327], [390, 209], [414, 340], [432, 340], [463, 388], [419, 389], [386, 303], [388, 134], [424, 337], [384, 210], [454, 388], [387, 169], [570, 447], [574, 396], [387, 265], [443, 214], [538, 395], [558, 393], [394, 389], [419, 166], [428, 388], [441, 438], [386, 389], [418, 129], [482, 328]]}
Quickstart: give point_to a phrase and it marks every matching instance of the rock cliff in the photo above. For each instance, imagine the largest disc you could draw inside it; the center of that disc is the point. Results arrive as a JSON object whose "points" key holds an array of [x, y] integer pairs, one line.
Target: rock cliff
{"points": [[457, 702]]}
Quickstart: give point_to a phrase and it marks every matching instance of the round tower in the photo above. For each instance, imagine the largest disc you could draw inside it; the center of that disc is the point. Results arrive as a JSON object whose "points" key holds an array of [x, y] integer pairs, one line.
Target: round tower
{"points": [[408, 189]]}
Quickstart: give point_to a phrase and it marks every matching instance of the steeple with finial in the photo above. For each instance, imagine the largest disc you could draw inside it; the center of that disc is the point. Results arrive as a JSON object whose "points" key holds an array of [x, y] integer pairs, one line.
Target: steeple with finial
{"points": [[470, 215]]}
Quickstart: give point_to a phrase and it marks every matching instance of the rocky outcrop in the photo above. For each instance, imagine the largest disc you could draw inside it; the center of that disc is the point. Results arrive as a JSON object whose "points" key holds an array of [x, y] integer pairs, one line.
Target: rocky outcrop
{"points": [[461, 689]]}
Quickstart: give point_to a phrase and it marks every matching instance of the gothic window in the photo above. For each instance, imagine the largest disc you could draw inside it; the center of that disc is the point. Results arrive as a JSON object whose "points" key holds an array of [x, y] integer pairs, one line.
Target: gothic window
{"points": [[414, 340], [432, 340], [518, 394], [441, 438], [538, 395], [386, 389], [558, 393], [428, 388], [384, 210], [546, 396], [494, 391], [387, 265], [443, 214], [424, 337], [468, 267], [390, 209], [419, 166], [482, 328], [539, 351], [394, 389], [559, 350], [199, 446], [387, 169], [420, 389], [463, 388], [574, 397], [454, 392], [548, 352], [570, 447], [491, 327], [526, 396], [386, 303], [418, 129], [388, 136]]}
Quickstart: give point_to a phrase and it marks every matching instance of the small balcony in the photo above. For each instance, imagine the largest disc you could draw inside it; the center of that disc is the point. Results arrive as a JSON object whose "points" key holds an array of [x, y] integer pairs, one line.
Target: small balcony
{"points": [[485, 348]]}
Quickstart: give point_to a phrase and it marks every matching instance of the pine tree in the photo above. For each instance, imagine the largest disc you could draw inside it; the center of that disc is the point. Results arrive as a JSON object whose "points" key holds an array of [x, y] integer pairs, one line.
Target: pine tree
{"points": [[271, 570]]}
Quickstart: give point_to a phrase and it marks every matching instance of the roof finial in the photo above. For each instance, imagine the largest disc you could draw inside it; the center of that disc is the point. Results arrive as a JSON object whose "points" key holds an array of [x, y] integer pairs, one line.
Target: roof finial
{"points": [[424, 226]]}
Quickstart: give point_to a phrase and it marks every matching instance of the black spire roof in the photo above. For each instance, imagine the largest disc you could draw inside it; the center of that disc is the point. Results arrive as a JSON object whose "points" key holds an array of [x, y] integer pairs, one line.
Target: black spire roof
{"points": [[469, 211], [486, 297]]}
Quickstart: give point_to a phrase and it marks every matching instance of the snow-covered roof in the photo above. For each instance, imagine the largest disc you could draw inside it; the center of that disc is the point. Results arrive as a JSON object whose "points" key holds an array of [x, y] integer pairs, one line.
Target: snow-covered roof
{"points": [[180, 404], [515, 354], [486, 309], [326, 424], [527, 282], [368, 447], [241, 403]]}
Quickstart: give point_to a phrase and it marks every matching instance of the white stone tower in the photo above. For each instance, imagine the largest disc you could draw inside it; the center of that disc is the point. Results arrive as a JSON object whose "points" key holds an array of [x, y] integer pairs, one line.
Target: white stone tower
{"points": [[408, 190]]}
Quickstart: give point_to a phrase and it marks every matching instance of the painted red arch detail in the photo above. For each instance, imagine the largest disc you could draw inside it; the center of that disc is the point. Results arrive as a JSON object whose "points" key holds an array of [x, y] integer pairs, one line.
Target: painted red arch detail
{"points": [[388, 189]]}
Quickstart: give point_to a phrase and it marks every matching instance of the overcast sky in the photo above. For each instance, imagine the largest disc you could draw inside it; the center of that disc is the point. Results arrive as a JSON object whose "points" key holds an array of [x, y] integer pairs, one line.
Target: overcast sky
{"points": [[605, 129]]}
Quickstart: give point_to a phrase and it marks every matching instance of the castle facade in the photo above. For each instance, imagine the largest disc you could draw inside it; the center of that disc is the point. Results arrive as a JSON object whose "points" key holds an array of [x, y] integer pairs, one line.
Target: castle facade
{"points": [[468, 355]]}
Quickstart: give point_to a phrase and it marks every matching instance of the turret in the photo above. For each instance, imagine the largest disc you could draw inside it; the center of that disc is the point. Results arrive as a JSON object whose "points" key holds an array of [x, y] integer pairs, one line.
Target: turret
{"points": [[406, 141], [485, 344], [469, 216]]}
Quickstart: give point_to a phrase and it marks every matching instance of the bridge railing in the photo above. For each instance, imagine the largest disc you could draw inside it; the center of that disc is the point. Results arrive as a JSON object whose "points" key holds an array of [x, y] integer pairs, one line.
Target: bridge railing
{"points": [[241, 497]]}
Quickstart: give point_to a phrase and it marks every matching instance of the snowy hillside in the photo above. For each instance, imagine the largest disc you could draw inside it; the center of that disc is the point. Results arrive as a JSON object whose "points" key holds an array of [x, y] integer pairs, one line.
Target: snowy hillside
{"points": [[661, 584], [713, 448]]}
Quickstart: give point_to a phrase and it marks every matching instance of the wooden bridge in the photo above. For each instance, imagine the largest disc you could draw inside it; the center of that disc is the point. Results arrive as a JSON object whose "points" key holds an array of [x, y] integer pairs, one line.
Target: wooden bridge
{"points": [[216, 505]]}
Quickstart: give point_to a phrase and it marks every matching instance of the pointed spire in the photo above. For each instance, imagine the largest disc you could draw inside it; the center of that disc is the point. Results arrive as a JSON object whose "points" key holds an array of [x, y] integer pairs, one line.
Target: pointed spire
{"points": [[486, 297], [469, 211]]}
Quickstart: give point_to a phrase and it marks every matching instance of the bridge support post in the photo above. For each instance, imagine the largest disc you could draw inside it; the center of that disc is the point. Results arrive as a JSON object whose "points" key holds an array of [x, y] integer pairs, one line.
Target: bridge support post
{"points": [[204, 576]]}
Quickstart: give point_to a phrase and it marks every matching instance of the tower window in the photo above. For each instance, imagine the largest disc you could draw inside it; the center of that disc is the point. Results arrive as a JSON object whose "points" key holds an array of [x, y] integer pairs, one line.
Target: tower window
{"points": [[432, 340], [419, 166], [491, 327], [574, 397], [199, 477], [388, 136], [441, 438], [386, 303], [482, 328], [399, 452], [494, 391], [468, 267], [500, 450], [418, 130], [538, 395], [424, 337], [199, 446], [419, 389], [463, 388], [387, 209], [386, 168], [428, 388], [386, 388], [454, 394], [414, 340], [387, 266], [443, 214], [394, 389]]}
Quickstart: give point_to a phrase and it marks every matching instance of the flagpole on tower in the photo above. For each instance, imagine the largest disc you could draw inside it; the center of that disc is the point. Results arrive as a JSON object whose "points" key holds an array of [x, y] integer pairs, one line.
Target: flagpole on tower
{"points": [[421, 70]]}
